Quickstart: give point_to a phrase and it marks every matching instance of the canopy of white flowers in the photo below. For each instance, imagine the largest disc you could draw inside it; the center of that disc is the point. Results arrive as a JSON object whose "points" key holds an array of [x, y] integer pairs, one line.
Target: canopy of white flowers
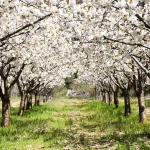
{"points": [[49, 40]]}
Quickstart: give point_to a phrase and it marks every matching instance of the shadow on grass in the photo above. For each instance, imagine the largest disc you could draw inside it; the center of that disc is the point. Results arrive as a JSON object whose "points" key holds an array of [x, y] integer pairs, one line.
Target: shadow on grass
{"points": [[36, 123], [36, 110], [52, 124]]}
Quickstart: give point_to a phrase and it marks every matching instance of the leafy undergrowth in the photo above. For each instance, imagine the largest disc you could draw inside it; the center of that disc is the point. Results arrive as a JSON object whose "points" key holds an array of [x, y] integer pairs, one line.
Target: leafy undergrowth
{"points": [[76, 124]]}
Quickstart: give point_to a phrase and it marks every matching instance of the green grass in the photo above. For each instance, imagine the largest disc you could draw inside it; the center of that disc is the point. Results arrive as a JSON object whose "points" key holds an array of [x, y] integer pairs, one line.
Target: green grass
{"points": [[77, 124]]}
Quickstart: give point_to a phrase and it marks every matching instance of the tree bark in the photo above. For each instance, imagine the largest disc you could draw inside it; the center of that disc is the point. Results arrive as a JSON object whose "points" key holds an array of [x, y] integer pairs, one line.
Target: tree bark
{"points": [[139, 84], [95, 92], [141, 103], [36, 103], [106, 97], [109, 98], [44, 99], [29, 102], [22, 101], [103, 96], [116, 101], [6, 110], [22, 105], [127, 110]]}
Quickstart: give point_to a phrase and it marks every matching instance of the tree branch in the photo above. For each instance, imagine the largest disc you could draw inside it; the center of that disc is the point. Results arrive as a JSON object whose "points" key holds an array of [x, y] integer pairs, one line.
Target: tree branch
{"points": [[141, 65], [142, 20], [1, 92], [24, 27], [132, 44], [18, 75]]}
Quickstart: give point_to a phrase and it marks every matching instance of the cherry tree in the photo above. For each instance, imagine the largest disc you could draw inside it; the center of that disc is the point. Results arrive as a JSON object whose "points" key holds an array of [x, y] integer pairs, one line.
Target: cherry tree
{"points": [[22, 22], [43, 42]]}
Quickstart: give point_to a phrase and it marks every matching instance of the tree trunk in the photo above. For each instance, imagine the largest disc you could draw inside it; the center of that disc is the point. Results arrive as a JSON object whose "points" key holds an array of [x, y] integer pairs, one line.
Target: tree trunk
{"points": [[95, 92], [116, 101], [44, 99], [101, 95], [22, 101], [22, 105], [127, 110], [36, 103], [29, 102], [6, 110], [104, 96], [141, 103], [109, 98]]}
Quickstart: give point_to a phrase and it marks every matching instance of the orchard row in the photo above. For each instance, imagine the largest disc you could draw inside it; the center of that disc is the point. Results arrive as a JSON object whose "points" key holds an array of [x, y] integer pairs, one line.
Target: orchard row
{"points": [[44, 41]]}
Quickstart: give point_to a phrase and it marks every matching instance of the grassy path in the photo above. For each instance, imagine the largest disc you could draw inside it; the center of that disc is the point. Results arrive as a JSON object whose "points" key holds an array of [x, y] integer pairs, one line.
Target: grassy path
{"points": [[74, 124]]}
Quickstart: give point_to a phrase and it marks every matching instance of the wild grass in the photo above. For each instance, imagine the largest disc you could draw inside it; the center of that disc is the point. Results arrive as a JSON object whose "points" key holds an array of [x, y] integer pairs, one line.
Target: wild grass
{"points": [[77, 124]]}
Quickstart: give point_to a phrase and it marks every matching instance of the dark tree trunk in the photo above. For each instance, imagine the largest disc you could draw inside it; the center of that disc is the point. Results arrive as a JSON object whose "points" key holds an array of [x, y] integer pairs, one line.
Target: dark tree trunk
{"points": [[95, 92], [141, 103], [140, 94], [103, 97], [36, 103], [6, 110], [22, 105], [29, 102], [139, 84], [116, 101], [127, 110], [22, 101], [109, 98], [35, 98]]}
